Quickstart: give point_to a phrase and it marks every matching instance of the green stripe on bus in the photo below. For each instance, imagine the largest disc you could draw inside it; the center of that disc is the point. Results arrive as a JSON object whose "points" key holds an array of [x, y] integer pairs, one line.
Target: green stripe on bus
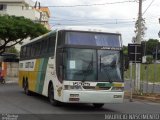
{"points": [[41, 75], [104, 84]]}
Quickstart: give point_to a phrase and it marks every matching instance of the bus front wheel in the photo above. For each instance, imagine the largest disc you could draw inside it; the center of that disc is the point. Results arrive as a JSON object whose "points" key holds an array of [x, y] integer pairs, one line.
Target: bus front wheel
{"points": [[98, 105], [51, 96]]}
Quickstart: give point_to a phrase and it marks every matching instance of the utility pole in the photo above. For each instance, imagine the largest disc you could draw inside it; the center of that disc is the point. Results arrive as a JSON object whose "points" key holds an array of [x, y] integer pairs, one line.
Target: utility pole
{"points": [[138, 41]]}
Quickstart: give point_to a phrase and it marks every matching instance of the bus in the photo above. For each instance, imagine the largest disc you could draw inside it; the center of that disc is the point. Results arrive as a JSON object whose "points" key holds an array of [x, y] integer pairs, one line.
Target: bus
{"points": [[70, 65]]}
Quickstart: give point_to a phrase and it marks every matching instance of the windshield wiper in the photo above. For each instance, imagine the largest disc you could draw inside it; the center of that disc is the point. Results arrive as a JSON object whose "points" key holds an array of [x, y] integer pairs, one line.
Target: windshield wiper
{"points": [[108, 76], [88, 70]]}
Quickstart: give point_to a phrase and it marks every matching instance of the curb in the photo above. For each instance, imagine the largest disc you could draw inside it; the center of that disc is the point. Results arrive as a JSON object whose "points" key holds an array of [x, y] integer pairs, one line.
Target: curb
{"points": [[155, 98], [11, 81]]}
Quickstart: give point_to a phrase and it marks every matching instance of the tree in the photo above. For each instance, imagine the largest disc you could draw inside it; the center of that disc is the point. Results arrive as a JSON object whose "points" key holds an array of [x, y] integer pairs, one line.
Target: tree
{"points": [[14, 30], [125, 50], [149, 59], [143, 28], [151, 45], [12, 50]]}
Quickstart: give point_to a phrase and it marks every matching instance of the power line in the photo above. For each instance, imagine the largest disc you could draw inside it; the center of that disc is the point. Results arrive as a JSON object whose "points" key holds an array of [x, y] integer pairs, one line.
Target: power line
{"points": [[72, 19], [97, 20], [148, 7], [91, 20], [88, 23], [98, 4], [83, 5], [92, 23]]}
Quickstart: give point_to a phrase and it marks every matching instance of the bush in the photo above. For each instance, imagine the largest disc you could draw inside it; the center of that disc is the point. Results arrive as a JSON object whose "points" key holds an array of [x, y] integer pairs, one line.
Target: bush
{"points": [[149, 59]]}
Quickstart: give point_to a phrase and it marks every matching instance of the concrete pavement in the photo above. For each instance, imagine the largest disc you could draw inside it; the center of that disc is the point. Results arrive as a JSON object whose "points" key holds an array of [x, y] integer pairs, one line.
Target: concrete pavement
{"points": [[11, 79]]}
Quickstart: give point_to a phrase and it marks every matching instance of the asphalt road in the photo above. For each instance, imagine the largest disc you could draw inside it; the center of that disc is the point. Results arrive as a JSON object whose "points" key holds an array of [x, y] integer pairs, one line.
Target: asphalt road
{"points": [[14, 102]]}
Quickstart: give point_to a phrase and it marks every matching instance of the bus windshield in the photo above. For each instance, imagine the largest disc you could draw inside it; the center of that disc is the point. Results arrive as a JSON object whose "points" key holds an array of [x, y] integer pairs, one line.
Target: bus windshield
{"points": [[92, 65]]}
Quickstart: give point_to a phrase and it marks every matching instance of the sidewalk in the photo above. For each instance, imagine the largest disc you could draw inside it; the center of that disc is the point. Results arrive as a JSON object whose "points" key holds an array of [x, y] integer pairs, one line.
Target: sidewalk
{"points": [[149, 92], [11, 79], [152, 97]]}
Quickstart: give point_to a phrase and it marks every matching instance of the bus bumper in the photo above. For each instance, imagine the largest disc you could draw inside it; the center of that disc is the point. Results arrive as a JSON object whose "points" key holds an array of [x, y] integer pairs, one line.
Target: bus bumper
{"points": [[92, 97]]}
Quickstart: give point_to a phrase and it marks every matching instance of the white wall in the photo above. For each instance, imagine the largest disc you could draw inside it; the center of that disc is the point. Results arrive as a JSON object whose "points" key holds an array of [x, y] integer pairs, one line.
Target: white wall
{"points": [[23, 8], [17, 10], [12, 69], [20, 8], [29, 2]]}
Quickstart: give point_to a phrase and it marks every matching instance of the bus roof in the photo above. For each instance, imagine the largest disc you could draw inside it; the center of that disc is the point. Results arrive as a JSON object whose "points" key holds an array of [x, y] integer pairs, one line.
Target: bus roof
{"points": [[75, 28], [35, 39], [86, 29]]}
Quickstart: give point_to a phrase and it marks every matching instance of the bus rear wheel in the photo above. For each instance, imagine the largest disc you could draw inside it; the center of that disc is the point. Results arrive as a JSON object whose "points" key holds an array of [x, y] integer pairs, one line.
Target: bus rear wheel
{"points": [[98, 105], [26, 90], [51, 96]]}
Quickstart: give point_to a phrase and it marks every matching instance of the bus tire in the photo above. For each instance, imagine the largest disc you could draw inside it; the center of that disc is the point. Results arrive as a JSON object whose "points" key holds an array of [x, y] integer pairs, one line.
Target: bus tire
{"points": [[51, 96], [26, 86], [98, 105]]}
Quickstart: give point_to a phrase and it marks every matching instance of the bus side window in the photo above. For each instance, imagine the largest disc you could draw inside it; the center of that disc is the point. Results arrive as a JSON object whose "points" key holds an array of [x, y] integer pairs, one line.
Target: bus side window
{"points": [[44, 46], [21, 53], [32, 51], [28, 51], [60, 41], [37, 48], [51, 46], [24, 52]]}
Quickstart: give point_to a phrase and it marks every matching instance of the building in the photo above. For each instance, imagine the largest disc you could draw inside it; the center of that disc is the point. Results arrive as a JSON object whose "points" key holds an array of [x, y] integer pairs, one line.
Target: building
{"points": [[19, 8], [26, 8], [44, 17]]}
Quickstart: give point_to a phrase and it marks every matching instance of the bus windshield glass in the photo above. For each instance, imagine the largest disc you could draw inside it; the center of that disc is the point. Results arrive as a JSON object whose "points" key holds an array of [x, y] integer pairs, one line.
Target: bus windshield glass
{"points": [[109, 65], [80, 64], [93, 39], [92, 65]]}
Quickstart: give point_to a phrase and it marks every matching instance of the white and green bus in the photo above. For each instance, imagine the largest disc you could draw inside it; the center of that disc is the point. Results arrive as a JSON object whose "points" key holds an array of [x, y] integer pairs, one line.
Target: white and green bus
{"points": [[74, 66]]}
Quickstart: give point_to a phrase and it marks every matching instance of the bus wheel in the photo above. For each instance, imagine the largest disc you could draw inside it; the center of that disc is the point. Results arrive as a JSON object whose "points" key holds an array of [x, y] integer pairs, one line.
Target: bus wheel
{"points": [[98, 105], [51, 96], [26, 90]]}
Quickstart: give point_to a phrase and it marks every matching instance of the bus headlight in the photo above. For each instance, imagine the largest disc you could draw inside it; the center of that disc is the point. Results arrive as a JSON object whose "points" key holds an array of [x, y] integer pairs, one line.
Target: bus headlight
{"points": [[71, 87]]}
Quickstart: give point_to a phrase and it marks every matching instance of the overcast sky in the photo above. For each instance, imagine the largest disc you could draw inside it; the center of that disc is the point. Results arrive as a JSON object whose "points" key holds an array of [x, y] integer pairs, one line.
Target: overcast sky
{"points": [[118, 17]]}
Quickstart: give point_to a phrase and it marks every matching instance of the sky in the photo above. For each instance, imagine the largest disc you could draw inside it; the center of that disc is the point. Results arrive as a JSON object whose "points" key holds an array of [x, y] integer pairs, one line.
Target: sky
{"points": [[115, 15]]}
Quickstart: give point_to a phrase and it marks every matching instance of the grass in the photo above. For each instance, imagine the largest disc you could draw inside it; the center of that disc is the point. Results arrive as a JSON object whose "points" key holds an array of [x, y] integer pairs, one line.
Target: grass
{"points": [[151, 75]]}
